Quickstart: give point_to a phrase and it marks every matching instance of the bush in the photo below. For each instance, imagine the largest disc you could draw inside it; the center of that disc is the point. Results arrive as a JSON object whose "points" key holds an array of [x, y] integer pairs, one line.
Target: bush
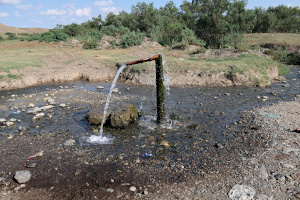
{"points": [[13, 36], [1, 38], [33, 37], [90, 44], [188, 36], [115, 31], [132, 39]]}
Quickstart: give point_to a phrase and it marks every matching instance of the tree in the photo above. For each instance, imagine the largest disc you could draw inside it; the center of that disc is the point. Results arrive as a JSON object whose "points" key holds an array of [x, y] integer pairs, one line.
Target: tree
{"points": [[212, 25]]}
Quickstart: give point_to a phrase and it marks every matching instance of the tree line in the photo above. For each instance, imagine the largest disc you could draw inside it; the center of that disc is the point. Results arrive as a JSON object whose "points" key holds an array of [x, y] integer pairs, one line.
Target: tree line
{"points": [[210, 23]]}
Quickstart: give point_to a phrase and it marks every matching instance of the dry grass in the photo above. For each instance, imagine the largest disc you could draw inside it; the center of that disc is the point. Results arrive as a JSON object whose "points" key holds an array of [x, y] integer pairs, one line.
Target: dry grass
{"points": [[16, 55], [258, 39]]}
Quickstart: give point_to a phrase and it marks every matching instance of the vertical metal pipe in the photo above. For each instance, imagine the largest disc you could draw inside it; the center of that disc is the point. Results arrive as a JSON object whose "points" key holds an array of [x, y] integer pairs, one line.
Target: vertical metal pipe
{"points": [[160, 90]]}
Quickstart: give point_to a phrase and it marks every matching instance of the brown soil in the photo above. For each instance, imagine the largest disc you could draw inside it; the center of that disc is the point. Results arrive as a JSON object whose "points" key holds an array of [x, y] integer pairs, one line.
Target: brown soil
{"points": [[5, 29], [68, 67]]}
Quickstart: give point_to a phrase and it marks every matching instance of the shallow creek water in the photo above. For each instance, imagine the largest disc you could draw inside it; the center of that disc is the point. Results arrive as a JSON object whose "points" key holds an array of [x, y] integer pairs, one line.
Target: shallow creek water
{"points": [[208, 116]]}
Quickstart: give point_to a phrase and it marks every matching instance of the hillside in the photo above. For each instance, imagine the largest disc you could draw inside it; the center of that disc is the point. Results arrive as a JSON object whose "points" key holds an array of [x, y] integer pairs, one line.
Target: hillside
{"points": [[5, 29]]}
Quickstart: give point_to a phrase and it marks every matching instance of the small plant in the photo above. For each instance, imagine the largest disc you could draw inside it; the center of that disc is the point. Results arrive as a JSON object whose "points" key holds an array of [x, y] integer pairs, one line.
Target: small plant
{"points": [[1, 38], [91, 44]]}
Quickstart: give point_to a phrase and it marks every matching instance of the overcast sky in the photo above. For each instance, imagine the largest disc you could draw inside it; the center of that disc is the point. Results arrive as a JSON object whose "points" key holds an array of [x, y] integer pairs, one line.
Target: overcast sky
{"points": [[46, 14]]}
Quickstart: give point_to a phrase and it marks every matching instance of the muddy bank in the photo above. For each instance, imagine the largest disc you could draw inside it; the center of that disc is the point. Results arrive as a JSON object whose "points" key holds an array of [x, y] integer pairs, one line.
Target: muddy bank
{"points": [[68, 67], [202, 78]]}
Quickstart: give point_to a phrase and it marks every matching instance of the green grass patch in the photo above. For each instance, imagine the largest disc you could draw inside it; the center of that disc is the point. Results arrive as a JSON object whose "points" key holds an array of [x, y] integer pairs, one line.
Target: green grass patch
{"points": [[283, 69]]}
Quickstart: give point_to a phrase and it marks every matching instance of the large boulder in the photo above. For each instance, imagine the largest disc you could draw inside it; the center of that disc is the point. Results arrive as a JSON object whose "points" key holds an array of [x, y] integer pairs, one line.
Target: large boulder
{"points": [[95, 115], [123, 115]]}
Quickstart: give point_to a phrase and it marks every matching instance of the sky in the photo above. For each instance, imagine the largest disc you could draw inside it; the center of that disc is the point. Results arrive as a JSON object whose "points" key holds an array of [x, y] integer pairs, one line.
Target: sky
{"points": [[46, 13]]}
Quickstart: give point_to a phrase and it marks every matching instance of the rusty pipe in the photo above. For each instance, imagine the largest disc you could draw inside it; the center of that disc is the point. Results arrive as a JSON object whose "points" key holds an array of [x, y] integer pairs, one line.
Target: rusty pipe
{"points": [[154, 57]]}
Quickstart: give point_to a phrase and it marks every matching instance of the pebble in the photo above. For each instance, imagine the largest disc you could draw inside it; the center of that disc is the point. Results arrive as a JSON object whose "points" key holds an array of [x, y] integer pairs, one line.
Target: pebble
{"points": [[227, 94], [13, 120], [263, 171], [280, 177], [62, 105], [70, 142], [47, 107], [115, 90], [22, 176], [35, 110], [110, 190], [10, 136], [38, 116], [31, 105], [261, 197], [164, 143], [30, 163], [9, 123], [2, 120], [197, 192], [132, 189], [100, 87]]}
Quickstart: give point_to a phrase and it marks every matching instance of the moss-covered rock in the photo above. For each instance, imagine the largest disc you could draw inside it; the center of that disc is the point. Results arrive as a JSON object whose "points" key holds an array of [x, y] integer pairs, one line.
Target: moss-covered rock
{"points": [[123, 115]]}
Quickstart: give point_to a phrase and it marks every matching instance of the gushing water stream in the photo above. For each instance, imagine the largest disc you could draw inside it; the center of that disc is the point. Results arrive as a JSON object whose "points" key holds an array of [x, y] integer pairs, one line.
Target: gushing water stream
{"points": [[101, 139]]}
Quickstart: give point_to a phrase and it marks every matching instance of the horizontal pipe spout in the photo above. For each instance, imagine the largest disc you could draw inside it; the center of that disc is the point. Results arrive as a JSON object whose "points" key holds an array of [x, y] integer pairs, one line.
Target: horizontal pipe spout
{"points": [[154, 57]]}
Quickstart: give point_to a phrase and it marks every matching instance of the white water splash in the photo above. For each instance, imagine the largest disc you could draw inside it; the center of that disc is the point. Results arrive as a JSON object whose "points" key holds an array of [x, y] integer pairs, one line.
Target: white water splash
{"points": [[101, 139]]}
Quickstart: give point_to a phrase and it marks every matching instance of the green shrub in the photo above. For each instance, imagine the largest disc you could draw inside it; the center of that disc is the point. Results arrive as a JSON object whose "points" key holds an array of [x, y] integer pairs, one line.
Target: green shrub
{"points": [[13, 37], [1, 38], [113, 44], [33, 37], [188, 35], [181, 45], [90, 44], [115, 31], [132, 39]]}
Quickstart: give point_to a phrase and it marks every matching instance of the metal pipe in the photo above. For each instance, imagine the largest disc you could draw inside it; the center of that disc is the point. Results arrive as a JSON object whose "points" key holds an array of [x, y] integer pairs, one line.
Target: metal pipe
{"points": [[160, 89]]}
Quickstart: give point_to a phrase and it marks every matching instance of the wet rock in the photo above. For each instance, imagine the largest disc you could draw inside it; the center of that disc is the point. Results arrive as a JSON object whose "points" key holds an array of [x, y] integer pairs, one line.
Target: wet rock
{"points": [[95, 115], [123, 115], [13, 120], [30, 163], [9, 123], [100, 87], [34, 111], [38, 116], [47, 107], [193, 126], [151, 138], [22, 176], [164, 143], [62, 105], [70, 142], [31, 105], [115, 90], [174, 116], [2, 120]]}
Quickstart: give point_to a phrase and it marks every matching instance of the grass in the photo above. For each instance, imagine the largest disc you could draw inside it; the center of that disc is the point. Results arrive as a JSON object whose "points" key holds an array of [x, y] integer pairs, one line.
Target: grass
{"points": [[257, 39]]}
